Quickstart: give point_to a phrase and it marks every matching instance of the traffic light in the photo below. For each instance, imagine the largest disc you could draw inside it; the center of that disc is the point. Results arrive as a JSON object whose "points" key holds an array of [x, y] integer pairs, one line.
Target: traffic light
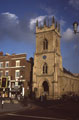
{"points": [[4, 82]]}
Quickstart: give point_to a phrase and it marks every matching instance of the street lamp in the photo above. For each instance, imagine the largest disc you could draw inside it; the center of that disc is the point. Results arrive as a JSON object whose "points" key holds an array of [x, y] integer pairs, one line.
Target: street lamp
{"points": [[75, 27]]}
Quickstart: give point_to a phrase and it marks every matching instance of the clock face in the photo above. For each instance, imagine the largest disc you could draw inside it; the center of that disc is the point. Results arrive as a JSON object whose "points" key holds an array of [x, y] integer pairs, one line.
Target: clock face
{"points": [[44, 57]]}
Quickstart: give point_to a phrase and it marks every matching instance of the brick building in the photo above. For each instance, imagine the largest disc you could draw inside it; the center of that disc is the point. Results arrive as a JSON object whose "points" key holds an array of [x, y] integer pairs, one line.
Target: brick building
{"points": [[17, 69]]}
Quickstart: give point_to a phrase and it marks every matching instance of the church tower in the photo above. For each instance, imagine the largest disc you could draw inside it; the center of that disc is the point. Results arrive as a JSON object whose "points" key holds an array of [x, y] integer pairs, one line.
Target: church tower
{"points": [[47, 60]]}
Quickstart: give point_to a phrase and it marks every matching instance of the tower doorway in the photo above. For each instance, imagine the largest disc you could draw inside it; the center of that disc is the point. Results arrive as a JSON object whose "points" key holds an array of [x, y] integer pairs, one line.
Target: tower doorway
{"points": [[45, 87]]}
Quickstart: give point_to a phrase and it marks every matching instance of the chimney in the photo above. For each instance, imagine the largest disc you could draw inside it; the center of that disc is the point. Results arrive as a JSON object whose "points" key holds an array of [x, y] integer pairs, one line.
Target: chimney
{"points": [[1, 53]]}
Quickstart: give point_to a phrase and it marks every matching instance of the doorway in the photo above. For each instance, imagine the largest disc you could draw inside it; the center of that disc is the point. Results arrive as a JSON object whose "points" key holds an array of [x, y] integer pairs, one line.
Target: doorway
{"points": [[46, 86]]}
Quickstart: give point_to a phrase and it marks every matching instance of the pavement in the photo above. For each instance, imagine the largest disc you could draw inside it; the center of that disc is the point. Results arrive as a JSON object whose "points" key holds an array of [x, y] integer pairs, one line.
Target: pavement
{"points": [[16, 106], [11, 106]]}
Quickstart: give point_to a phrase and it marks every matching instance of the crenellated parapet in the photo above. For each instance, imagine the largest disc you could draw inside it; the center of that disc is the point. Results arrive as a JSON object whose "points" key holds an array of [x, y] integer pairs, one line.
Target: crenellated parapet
{"points": [[45, 28]]}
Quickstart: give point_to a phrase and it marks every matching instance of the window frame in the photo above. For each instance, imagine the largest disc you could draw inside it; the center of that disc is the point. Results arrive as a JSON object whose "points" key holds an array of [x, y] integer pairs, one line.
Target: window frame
{"points": [[16, 72], [7, 71], [45, 44], [1, 73], [6, 64], [17, 62], [1, 64], [45, 68]]}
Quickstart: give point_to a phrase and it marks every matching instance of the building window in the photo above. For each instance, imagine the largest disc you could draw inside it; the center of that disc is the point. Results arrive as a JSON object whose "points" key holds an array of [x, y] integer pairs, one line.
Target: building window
{"points": [[17, 73], [45, 44], [45, 68], [1, 73], [17, 63], [1, 64], [16, 83], [7, 64], [7, 73]]}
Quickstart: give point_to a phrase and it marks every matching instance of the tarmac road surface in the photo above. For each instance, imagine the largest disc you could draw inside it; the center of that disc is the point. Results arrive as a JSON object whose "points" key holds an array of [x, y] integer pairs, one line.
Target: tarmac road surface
{"points": [[11, 116]]}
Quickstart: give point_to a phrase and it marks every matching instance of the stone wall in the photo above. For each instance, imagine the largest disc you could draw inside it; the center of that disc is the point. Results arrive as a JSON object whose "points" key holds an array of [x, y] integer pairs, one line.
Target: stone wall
{"points": [[68, 84]]}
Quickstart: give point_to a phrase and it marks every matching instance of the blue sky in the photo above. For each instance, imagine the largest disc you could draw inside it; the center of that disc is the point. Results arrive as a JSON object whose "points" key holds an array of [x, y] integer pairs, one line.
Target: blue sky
{"points": [[17, 27]]}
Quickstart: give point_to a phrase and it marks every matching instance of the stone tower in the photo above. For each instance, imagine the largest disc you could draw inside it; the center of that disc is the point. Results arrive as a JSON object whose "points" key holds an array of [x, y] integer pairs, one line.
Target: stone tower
{"points": [[47, 60]]}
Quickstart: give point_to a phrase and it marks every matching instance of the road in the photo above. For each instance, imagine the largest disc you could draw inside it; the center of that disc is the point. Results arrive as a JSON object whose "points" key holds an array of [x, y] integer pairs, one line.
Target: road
{"points": [[11, 116], [65, 111], [32, 113]]}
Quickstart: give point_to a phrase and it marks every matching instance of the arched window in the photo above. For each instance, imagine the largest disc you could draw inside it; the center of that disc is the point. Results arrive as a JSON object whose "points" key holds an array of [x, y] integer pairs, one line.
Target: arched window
{"points": [[45, 68], [45, 44]]}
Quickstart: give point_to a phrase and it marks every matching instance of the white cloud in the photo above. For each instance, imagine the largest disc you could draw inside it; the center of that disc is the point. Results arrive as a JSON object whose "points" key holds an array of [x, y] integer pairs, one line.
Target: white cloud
{"points": [[68, 35], [10, 16], [33, 21], [74, 3], [14, 28]]}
